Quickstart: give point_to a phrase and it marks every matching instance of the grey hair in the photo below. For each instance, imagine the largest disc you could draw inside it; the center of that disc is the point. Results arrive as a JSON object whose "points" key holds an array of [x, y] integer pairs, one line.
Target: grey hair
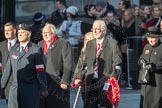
{"points": [[52, 27], [103, 25]]}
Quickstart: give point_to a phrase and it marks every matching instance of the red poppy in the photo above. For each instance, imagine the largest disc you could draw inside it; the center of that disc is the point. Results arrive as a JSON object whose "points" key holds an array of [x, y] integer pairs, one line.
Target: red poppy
{"points": [[26, 50]]}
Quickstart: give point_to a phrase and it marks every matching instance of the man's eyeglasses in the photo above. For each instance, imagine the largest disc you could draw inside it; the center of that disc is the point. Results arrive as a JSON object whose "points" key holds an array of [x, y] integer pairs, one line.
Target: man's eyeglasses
{"points": [[96, 29], [47, 33], [8, 30]]}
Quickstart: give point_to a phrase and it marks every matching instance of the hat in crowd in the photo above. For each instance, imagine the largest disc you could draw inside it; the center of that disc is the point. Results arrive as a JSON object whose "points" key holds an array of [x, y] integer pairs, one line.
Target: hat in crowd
{"points": [[72, 9], [24, 26], [38, 17], [153, 32], [100, 3]]}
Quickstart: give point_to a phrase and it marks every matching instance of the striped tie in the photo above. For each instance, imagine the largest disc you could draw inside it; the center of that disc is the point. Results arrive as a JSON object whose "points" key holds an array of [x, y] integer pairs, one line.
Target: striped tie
{"points": [[98, 50], [96, 65]]}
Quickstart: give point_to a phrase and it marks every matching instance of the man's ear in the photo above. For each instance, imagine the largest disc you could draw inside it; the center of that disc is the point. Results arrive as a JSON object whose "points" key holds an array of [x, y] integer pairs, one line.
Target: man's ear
{"points": [[15, 31], [29, 34]]}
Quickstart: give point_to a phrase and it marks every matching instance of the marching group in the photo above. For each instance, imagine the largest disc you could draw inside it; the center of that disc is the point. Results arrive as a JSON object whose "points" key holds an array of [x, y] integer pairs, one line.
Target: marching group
{"points": [[37, 62]]}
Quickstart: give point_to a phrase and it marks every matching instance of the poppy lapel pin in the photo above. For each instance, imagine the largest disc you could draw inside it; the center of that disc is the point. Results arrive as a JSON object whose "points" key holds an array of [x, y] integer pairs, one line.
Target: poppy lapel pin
{"points": [[26, 50]]}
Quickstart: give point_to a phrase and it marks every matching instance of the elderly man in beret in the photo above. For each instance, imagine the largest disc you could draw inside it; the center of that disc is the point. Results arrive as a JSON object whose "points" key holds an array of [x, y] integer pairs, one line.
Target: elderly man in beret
{"points": [[26, 65], [151, 95]]}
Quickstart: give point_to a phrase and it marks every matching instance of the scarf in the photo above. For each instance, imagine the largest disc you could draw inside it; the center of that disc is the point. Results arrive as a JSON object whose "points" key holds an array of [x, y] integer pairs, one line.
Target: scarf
{"points": [[45, 47]]}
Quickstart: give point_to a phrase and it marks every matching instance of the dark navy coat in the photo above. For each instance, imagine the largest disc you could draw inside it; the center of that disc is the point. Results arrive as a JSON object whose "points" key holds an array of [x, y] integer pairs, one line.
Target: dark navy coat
{"points": [[27, 69]]}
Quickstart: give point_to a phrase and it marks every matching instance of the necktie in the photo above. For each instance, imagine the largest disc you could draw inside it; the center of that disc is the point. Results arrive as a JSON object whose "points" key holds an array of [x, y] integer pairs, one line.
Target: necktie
{"points": [[62, 15], [21, 49], [98, 49], [9, 46], [96, 65]]}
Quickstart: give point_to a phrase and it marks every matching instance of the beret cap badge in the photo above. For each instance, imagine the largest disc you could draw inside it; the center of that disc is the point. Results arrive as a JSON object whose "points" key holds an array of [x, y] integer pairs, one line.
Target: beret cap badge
{"points": [[24, 26], [153, 32]]}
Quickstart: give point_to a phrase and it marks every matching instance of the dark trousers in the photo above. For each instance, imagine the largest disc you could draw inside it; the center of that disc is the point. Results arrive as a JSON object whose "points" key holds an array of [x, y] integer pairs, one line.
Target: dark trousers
{"points": [[2, 92], [96, 98], [57, 98], [0, 86]]}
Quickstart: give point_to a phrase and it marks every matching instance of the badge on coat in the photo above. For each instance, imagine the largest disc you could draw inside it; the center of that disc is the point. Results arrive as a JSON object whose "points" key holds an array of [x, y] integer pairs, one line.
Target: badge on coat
{"points": [[147, 51], [155, 53], [52, 46], [26, 50], [14, 57]]}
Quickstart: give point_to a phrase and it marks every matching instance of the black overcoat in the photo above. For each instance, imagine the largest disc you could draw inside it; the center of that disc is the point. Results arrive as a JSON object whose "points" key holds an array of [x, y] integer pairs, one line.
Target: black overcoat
{"points": [[29, 79]]}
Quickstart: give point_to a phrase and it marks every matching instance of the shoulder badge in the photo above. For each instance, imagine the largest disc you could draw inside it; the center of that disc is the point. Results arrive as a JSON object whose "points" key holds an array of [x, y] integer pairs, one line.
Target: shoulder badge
{"points": [[147, 51]]}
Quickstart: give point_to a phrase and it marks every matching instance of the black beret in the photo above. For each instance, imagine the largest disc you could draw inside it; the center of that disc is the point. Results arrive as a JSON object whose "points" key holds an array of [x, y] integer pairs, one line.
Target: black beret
{"points": [[153, 32], [24, 26]]}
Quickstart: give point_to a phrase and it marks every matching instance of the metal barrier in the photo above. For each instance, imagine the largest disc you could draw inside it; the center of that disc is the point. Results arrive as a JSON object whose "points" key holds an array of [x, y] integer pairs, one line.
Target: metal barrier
{"points": [[133, 55]]}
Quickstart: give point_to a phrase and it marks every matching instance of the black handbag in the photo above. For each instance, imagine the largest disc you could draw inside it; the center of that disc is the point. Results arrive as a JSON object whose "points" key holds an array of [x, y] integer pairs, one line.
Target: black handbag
{"points": [[144, 76]]}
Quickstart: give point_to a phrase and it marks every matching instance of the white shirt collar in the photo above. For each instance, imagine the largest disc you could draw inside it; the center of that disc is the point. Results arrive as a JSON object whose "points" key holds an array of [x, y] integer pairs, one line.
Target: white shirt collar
{"points": [[48, 44], [13, 41], [100, 41], [24, 45]]}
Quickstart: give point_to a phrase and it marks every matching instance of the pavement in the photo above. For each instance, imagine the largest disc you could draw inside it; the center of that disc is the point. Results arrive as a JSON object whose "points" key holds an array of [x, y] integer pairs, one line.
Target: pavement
{"points": [[129, 99]]}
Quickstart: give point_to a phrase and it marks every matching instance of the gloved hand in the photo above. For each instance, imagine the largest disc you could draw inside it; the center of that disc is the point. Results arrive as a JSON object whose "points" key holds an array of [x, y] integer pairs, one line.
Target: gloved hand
{"points": [[142, 62], [3, 94], [150, 66]]}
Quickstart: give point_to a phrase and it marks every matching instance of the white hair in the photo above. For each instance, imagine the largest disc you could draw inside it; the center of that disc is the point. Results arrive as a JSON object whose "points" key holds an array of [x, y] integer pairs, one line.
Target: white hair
{"points": [[52, 27], [103, 25]]}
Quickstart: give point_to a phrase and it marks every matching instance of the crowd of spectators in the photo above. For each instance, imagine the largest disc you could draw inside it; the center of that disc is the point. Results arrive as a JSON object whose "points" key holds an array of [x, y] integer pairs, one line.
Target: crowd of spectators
{"points": [[127, 21], [117, 30]]}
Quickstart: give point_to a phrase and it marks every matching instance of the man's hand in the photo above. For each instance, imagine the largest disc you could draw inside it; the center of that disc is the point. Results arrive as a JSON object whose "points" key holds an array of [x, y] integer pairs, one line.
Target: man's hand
{"points": [[77, 82], [64, 86], [44, 93]]}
